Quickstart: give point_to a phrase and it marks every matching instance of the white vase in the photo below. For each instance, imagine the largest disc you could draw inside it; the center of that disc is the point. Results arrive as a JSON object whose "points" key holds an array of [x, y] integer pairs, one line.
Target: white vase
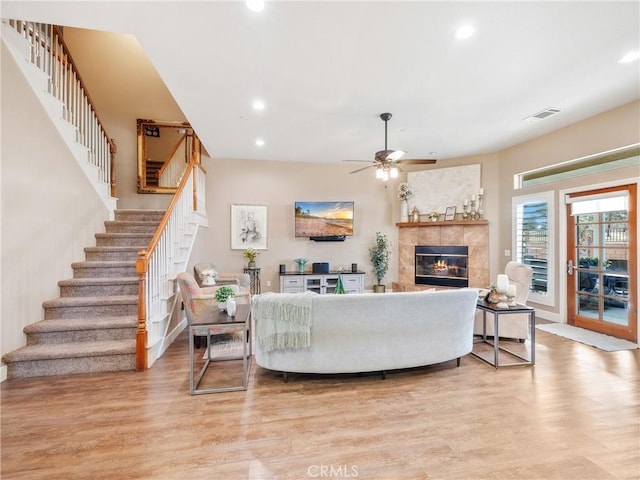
{"points": [[404, 211], [231, 307]]}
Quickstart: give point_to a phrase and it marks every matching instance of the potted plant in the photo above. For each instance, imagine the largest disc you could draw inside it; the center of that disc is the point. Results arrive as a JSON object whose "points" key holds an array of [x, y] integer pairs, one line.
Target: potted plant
{"points": [[222, 295], [251, 254], [379, 255]]}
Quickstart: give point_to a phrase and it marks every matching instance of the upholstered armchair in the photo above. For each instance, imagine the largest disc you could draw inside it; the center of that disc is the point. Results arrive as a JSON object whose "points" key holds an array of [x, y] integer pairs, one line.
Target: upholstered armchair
{"points": [[517, 325], [201, 269]]}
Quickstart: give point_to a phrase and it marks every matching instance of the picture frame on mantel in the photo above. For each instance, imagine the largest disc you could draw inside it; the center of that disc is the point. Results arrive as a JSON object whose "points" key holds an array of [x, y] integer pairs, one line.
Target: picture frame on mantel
{"points": [[450, 213], [248, 227]]}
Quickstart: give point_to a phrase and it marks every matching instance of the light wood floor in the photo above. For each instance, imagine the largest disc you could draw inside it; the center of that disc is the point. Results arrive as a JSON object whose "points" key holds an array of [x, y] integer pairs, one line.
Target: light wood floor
{"points": [[575, 415]]}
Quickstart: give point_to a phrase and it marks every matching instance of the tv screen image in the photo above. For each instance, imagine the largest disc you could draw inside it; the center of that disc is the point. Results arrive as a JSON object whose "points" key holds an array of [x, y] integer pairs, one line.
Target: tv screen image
{"points": [[324, 219]]}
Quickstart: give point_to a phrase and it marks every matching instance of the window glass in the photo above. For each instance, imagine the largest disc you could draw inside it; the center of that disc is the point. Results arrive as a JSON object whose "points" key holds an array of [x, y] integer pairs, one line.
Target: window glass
{"points": [[533, 217]]}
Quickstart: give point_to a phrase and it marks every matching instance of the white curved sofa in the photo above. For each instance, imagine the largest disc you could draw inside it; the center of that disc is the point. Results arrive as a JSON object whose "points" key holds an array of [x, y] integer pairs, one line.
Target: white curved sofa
{"points": [[372, 332]]}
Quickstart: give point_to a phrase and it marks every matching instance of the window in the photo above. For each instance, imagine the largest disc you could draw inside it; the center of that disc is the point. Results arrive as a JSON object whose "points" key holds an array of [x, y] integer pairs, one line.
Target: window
{"points": [[533, 242], [600, 162]]}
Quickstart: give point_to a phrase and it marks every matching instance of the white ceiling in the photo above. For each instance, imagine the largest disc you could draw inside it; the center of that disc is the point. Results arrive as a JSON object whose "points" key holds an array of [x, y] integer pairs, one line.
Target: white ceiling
{"points": [[326, 70]]}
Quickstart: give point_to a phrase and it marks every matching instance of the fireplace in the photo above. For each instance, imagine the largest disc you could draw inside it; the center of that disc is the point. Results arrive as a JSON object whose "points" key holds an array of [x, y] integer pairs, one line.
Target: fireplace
{"points": [[442, 265]]}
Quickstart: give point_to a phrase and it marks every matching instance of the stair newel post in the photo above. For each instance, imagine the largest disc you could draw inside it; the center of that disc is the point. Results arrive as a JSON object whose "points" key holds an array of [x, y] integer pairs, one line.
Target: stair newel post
{"points": [[141, 334]]}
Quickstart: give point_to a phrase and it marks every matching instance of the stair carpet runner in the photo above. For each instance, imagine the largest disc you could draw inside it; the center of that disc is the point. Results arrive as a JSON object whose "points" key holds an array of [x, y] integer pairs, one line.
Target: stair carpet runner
{"points": [[92, 326]]}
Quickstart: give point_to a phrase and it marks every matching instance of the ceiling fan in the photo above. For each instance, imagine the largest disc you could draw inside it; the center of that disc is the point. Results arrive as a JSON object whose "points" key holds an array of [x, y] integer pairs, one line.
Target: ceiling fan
{"points": [[386, 162]]}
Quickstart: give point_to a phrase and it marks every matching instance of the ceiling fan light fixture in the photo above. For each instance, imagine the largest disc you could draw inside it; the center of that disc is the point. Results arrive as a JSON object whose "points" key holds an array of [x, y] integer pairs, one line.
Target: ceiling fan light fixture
{"points": [[395, 155], [393, 172], [379, 173]]}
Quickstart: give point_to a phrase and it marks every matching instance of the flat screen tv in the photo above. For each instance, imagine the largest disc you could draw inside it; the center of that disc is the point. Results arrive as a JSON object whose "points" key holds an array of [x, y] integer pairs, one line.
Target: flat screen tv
{"points": [[324, 220]]}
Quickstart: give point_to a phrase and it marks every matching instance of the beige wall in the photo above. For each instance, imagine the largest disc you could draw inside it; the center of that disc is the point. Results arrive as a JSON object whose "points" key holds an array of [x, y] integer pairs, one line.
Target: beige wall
{"points": [[121, 99], [278, 185], [613, 129], [49, 211]]}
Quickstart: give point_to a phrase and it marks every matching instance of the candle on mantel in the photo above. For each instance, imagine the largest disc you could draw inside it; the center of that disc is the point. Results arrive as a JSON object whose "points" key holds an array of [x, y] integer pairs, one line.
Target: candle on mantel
{"points": [[473, 197], [511, 291], [481, 192], [502, 283], [465, 202]]}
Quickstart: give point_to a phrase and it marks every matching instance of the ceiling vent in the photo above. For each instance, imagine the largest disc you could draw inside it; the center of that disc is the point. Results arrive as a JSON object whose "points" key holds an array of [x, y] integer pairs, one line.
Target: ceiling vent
{"points": [[546, 113]]}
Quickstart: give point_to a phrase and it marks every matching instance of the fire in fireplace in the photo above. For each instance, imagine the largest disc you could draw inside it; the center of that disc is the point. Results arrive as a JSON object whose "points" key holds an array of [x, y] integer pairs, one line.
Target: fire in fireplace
{"points": [[442, 265]]}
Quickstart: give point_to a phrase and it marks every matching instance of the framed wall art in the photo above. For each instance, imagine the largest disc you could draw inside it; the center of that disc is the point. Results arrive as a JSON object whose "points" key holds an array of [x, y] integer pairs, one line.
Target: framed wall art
{"points": [[248, 227], [450, 213]]}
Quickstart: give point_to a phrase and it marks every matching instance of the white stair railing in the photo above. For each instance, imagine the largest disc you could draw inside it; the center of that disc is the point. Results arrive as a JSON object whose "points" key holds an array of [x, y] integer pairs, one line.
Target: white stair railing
{"points": [[47, 51], [164, 258], [173, 168]]}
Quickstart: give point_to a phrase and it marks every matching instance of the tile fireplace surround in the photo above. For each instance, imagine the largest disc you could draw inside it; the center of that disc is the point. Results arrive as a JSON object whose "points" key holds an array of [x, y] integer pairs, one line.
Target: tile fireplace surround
{"points": [[472, 233]]}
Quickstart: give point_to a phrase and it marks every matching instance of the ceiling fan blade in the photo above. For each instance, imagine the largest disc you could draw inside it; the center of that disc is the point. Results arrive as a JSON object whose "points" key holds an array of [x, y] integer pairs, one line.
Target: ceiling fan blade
{"points": [[363, 168], [416, 161], [367, 161]]}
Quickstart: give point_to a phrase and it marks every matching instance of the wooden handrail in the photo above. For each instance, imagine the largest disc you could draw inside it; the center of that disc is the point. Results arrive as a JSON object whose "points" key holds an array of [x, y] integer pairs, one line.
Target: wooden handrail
{"points": [[165, 218], [49, 52], [144, 258], [66, 51], [171, 154]]}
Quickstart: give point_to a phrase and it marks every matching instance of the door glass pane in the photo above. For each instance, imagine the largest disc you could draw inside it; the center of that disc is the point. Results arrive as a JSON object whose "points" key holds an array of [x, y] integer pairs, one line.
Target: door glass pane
{"points": [[603, 278], [588, 306]]}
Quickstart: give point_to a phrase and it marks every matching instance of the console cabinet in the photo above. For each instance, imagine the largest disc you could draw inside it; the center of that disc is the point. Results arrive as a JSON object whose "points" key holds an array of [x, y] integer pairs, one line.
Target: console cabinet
{"points": [[322, 283]]}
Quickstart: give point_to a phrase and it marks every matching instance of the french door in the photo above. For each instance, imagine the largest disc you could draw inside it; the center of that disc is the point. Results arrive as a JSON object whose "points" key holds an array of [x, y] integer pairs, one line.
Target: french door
{"points": [[602, 258]]}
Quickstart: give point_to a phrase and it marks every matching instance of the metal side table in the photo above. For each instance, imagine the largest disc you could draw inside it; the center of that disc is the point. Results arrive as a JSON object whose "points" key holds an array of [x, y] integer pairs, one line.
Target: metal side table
{"points": [[215, 322], [497, 313]]}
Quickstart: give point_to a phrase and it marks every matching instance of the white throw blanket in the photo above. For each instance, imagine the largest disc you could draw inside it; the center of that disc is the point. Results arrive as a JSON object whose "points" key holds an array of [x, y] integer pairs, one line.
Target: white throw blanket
{"points": [[283, 320]]}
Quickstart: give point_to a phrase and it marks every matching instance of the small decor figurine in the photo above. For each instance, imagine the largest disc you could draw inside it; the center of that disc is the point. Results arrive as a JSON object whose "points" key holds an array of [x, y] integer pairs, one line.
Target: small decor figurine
{"points": [[301, 263], [493, 296], [251, 254], [231, 306], [222, 295], [415, 215]]}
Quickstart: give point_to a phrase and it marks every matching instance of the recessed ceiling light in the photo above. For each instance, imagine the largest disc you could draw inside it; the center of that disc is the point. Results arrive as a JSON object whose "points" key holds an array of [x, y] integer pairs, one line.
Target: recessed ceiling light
{"points": [[255, 5], [260, 142], [258, 105], [630, 57], [465, 31]]}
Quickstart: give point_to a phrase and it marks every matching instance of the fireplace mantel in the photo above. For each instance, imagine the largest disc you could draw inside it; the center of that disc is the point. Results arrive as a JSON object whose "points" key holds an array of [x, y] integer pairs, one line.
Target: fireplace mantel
{"points": [[441, 223], [471, 233]]}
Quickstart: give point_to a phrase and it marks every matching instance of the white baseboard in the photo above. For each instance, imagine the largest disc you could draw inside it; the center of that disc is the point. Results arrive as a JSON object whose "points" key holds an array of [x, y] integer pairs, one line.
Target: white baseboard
{"points": [[177, 330], [552, 317]]}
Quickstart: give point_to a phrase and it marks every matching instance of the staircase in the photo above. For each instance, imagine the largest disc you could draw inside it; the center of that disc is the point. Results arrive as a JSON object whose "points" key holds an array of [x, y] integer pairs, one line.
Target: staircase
{"points": [[92, 326]]}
